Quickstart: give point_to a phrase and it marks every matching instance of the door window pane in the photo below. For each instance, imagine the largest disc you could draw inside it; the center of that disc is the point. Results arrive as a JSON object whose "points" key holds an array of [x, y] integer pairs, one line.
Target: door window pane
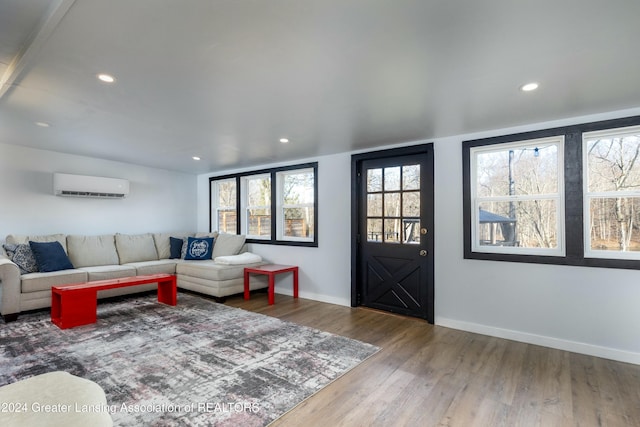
{"points": [[392, 230], [374, 180], [392, 204], [411, 204], [411, 177], [374, 205], [392, 179], [374, 230]]}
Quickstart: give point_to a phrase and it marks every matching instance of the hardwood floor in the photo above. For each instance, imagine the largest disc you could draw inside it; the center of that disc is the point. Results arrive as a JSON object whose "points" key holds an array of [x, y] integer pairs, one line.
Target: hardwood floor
{"points": [[428, 375]]}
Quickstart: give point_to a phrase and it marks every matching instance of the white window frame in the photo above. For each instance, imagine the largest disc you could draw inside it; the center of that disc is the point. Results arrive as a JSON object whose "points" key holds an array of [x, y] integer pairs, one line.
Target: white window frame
{"points": [[245, 206], [215, 195], [281, 206], [558, 197], [588, 196]]}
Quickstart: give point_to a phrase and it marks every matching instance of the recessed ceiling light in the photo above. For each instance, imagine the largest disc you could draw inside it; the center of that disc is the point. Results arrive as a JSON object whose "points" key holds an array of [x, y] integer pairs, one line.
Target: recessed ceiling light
{"points": [[43, 124], [284, 140], [107, 78], [196, 158], [529, 87]]}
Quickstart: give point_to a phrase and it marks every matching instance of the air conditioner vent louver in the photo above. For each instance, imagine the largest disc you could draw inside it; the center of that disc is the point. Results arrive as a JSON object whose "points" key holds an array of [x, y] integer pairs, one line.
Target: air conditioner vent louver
{"points": [[89, 186]]}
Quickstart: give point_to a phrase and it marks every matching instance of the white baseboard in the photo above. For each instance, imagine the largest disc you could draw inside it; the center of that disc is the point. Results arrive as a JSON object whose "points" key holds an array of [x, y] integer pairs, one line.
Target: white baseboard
{"points": [[316, 297], [573, 346]]}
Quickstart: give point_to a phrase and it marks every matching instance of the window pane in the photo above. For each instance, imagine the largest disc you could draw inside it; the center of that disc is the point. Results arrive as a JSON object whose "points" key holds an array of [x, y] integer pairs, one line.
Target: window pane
{"points": [[411, 203], [392, 179], [259, 222], [615, 224], [374, 205], [298, 222], [411, 177], [298, 188], [392, 230], [374, 180], [613, 163], [374, 230], [528, 224], [227, 193], [227, 221], [259, 191], [392, 204], [411, 230], [521, 170]]}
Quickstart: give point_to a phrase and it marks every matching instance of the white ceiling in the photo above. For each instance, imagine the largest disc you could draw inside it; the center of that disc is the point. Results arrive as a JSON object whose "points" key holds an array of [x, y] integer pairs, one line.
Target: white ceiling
{"points": [[226, 79]]}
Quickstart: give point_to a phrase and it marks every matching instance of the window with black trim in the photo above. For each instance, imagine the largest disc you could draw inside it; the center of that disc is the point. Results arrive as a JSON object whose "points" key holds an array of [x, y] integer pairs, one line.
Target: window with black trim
{"points": [[276, 206], [567, 196]]}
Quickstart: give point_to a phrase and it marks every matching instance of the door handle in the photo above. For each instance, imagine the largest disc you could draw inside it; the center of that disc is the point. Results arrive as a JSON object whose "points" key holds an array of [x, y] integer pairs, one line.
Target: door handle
{"points": [[423, 252]]}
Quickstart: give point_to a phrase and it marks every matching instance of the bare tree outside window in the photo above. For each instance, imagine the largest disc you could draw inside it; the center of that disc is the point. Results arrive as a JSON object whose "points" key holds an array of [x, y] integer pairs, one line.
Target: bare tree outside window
{"points": [[298, 199], [518, 195], [613, 190], [226, 213]]}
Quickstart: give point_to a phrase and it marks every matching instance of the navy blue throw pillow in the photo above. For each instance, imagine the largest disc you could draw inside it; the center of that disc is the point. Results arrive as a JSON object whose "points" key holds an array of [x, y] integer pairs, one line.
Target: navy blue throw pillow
{"points": [[175, 247], [199, 248], [50, 256]]}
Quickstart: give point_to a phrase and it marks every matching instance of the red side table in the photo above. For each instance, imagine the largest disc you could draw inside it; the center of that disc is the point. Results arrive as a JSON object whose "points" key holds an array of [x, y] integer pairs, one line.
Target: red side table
{"points": [[271, 270]]}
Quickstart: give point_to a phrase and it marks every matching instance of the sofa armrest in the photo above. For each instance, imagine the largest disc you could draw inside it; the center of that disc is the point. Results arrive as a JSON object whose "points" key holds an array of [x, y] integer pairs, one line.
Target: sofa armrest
{"points": [[9, 287]]}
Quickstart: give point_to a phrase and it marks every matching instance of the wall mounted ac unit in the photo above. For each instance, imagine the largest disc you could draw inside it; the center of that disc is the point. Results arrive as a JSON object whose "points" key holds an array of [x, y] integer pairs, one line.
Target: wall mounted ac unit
{"points": [[89, 186]]}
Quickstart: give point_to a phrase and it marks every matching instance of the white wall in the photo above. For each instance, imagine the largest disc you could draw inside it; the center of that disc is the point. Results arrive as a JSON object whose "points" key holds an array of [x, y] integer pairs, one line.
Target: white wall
{"points": [[160, 200], [589, 310]]}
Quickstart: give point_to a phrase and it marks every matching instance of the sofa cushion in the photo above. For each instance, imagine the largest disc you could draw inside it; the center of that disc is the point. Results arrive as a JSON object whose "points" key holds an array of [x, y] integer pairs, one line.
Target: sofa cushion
{"points": [[199, 249], [228, 244], [135, 248], [18, 239], [22, 256], [144, 268], [162, 242], [34, 282], [87, 251], [50, 256], [105, 272], [209, 270]]}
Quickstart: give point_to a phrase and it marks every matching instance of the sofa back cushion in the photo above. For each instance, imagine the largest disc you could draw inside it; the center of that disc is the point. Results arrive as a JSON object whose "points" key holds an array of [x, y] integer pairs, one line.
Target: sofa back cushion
{"points": [[136, 248], [89, 251], [18, 239], [228, 244]]}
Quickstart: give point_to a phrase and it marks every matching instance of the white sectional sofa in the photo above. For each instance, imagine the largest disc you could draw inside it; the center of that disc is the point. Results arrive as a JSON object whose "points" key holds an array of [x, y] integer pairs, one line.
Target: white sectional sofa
{"points": [[114, 256]]}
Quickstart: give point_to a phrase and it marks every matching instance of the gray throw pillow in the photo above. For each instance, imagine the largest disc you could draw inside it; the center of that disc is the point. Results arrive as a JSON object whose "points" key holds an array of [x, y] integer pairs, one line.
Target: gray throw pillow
{"points": [[22, 256]]}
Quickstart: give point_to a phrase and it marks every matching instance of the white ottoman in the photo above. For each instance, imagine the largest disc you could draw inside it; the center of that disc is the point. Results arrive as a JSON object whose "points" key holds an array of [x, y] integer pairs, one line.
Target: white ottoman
{"points": [[54, 399]]}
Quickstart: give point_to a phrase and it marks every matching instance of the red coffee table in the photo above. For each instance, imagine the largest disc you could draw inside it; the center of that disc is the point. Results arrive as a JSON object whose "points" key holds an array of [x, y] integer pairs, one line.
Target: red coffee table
{"points": [[76, 304], [271, 270]]}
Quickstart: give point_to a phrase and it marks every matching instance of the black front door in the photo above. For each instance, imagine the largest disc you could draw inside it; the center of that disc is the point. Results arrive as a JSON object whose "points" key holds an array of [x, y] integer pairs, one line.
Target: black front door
{"points": [[393, 231]]}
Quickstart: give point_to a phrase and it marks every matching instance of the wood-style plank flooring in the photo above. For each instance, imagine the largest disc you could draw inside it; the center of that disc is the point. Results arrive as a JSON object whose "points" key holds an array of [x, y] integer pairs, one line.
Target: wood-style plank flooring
{"points": [[428, 375]]}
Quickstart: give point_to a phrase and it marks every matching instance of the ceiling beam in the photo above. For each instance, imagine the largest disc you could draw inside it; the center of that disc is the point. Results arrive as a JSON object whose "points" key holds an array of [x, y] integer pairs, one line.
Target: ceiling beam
{"points": [[33, 45]]}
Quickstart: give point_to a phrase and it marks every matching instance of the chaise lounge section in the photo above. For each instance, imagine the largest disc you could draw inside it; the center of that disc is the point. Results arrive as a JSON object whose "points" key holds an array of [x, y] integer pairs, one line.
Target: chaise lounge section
{"points": [[112, 256]]}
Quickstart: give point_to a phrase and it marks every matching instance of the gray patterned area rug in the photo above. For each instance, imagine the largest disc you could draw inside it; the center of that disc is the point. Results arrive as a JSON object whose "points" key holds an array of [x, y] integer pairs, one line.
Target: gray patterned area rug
{"points": [[197, 364]]}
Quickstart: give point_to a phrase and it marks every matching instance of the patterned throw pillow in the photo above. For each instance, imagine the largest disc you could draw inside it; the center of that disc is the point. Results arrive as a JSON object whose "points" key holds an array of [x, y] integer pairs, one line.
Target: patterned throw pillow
{"points": [[199, 249], [22, 255]]}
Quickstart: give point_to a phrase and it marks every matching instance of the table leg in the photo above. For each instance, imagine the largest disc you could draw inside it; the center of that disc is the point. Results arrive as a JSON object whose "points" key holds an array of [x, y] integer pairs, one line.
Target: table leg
{"points": [[76, 309], [246, 285], [295, 282], [271, 288], [168, 292]]}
